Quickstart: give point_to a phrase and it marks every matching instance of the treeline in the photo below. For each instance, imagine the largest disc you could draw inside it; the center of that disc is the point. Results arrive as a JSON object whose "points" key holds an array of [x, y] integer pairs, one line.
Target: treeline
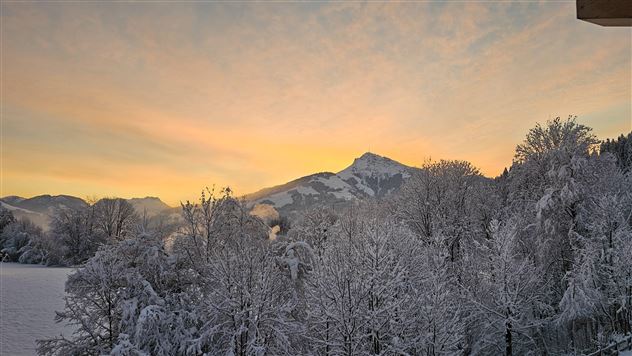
{"points": [[74, 234], [621, 148], [534, 262]]}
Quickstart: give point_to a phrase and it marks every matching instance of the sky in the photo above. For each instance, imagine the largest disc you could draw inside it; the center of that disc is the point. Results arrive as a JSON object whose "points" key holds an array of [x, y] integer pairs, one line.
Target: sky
{"points": [[162, 99]]}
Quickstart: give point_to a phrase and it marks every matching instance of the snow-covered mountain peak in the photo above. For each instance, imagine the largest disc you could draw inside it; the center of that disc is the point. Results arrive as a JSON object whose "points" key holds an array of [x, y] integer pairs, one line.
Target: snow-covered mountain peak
{"points": [[370, 175], [369, 159], [371, 164]]}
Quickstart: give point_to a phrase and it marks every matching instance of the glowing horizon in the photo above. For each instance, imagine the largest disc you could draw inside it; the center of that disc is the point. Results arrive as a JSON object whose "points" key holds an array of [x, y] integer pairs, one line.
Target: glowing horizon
{"points": [[159, 99]]}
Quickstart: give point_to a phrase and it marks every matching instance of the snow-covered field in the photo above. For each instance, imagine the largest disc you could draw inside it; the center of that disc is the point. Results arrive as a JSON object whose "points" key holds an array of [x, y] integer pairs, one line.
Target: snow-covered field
{"points": [[29, 296]]}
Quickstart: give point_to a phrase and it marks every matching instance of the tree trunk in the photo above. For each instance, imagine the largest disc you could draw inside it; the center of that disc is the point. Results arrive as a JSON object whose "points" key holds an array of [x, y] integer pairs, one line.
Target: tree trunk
{"points": [[508, 345]]}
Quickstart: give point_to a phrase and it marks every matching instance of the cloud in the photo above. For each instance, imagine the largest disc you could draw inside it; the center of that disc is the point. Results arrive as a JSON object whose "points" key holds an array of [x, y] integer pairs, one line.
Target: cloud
{"points": [[257, 94]]}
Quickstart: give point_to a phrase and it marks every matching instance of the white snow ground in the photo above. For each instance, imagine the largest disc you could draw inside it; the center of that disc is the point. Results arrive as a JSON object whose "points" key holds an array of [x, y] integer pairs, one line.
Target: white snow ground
{"points": [[29, 296]]}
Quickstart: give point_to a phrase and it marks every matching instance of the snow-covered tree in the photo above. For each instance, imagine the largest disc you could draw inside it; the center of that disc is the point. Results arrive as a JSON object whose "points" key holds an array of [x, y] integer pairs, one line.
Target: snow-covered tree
{"points": [[19, 242], [316, 227], [507, 298], [116, 218], [536, 261], [117, 296], [440, 200], [555, 187], [77, 238], [6, 218]]}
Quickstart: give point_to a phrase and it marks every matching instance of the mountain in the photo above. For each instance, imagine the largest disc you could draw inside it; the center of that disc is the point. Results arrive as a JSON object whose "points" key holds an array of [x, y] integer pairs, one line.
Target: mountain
{"points": [[375, 175], [45, 204], [12, 200], [150, 205], [370, 175], [14, 208], [38, 209], [39, 219]]}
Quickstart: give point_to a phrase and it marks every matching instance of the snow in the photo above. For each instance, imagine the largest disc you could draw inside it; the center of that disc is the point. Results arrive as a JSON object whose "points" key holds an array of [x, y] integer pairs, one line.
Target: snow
{"points": [[340, 188], [365, 189], [307, 191], [29, 297], [627, 351], [280, 200], [15, 208], [334, 182], [371, 164], [346, 195], [353, 182]]}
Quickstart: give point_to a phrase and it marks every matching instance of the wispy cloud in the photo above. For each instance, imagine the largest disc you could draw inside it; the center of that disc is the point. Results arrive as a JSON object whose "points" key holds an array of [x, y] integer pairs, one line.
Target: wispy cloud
{"points": [[139, 98]]}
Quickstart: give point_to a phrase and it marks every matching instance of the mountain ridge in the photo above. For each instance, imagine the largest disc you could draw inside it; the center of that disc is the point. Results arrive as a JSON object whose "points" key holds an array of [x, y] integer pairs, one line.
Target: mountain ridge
{"points": [[369, 176], [40, 208]]}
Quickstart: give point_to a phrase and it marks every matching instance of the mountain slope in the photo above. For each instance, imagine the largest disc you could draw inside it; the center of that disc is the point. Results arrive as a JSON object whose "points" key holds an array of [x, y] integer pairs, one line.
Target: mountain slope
{"points": [[12, 200], [46, 204], [370, 175], [150, 205], [40, 208], [374, 175], [39, 219]]}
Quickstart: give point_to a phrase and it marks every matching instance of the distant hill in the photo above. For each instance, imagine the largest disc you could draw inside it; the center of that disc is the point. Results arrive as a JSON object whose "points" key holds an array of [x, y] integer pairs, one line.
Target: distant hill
{"points": [[370, 175], [46, 204], [20, 213], [38, 209], [12, 200], [150, 205]]}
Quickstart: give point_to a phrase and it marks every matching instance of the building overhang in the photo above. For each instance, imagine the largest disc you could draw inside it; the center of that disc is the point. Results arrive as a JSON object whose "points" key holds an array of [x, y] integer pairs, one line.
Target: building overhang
{"points": [[605, 12]]}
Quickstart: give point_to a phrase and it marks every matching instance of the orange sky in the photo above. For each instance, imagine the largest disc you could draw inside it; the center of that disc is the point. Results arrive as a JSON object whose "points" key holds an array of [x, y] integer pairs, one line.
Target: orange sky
{"points": [[136, 99]]}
